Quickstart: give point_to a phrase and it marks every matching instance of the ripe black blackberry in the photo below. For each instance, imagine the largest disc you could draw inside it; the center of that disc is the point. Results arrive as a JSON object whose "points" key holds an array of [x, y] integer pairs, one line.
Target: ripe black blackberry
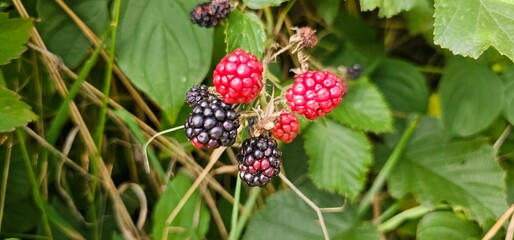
{"points": [[354, 71], [220, 8], [196, 94], [259, 161], [212, 124], [203, 16]]}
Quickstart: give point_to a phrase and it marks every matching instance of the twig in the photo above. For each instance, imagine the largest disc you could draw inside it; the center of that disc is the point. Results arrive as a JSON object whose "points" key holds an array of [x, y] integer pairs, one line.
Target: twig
{"points": [[309, 202], [143, 205], [145, 146], [5, 175], [120, 209], [510, 229], [214, 158], [502, 137], [498, 225]]}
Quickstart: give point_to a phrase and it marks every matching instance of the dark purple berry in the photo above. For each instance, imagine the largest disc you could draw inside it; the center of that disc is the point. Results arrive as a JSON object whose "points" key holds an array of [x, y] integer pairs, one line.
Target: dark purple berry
{"points": [[354, 71], [205, 126], [259, 161]]}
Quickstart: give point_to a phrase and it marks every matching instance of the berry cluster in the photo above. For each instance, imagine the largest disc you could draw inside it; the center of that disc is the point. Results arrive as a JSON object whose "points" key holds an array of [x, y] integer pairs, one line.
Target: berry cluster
{"points": [[259, 161], [212, 123], [209, 14], [238, 79]]}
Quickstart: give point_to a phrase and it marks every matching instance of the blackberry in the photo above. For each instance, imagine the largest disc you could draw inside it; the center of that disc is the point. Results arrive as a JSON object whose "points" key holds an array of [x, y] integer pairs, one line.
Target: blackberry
{"points": [[212, 124], [259, 161], [220, 8], [202, 16], [354, 71], [196, 94]]}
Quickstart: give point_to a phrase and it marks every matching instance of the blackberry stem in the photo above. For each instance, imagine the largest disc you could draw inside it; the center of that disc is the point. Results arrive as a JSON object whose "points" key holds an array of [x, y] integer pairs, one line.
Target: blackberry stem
{"points": [[235, 209], [255, 192], [389, 166]]}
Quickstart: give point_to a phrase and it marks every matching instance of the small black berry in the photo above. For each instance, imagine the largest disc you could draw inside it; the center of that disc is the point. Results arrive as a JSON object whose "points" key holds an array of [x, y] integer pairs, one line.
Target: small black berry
{"points": [[354, 71], [196, 94], [202, 16], [220, 8]]}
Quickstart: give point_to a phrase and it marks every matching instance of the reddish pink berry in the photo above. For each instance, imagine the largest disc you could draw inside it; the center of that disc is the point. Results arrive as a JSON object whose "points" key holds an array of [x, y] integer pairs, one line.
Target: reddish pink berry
{"points": [[315, 93], [238, 77], [286, 128]]}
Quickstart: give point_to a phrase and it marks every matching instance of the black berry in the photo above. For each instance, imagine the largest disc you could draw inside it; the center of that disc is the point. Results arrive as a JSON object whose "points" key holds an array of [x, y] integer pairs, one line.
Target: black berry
{"points": [[212, 123], [259, 161], [354, 71], [220, 8], [202, 16], [196, 94]]}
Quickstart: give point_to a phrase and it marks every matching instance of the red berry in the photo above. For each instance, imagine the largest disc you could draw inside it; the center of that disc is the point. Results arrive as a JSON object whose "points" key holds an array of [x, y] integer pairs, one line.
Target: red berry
{"points": [[238, 77], [315, 93], [286, 128]]}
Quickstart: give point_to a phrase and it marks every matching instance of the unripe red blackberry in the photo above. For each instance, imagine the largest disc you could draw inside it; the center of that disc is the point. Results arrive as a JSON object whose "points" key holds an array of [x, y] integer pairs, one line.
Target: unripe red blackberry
{"points": [[315, 93], [259, 161], [212, 124], [286, 128], [238, 77]]}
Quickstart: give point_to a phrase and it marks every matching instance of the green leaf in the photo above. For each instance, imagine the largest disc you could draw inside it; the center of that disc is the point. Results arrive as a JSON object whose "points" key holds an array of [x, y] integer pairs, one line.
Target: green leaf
{"points": [[508, 90], [447, 226], [470, 27], [161, 51], [14, 33], [402, 85], [193, 219], [258, 4], [327, 9], [420, 19], [245, 31], [339, 158], [469, 92], [297, 169], [285, 216], [13, 112], [364, 108], [355, 41], [462, 172], [61, 34], [60, 222], [387, 8]]}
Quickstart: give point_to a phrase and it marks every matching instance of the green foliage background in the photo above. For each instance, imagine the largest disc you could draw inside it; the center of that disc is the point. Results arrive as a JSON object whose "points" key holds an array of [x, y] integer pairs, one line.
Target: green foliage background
{"points": [[421, 146]]}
